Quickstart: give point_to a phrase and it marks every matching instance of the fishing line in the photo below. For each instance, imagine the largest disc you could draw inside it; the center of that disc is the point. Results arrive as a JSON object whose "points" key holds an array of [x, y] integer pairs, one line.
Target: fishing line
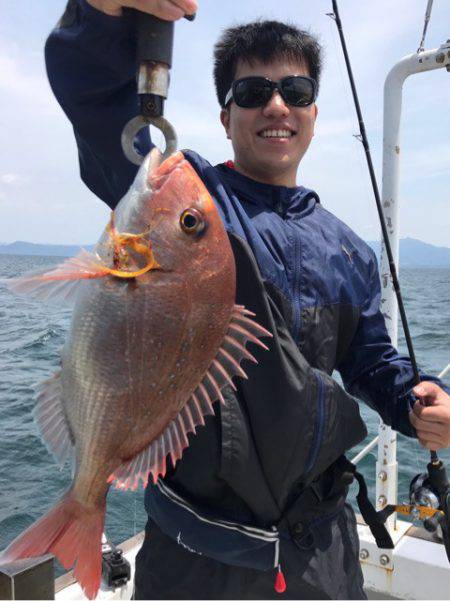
{"points": [[344, 89], [363, 185], [425, 26]]}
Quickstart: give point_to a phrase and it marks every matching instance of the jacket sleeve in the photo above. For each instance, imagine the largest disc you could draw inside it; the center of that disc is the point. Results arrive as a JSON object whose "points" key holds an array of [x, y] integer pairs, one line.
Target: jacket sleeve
{"points": [[90, 60], [374, 371]]}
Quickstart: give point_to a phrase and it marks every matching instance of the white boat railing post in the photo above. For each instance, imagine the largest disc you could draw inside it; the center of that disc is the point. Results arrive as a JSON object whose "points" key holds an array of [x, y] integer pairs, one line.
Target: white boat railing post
{"points": [[386, 487], [366, 450], [445, 371]]}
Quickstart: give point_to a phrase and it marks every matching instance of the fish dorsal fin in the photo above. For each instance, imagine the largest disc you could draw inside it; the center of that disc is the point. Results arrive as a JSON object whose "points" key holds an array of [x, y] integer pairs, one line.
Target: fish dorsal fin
{"points": [[51, 419], [174, 439], [60, 284]]}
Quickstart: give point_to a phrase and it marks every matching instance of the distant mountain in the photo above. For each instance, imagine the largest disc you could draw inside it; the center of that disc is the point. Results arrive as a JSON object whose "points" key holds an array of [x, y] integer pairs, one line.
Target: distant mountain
{"points": [[47, 250], [415, 253]]}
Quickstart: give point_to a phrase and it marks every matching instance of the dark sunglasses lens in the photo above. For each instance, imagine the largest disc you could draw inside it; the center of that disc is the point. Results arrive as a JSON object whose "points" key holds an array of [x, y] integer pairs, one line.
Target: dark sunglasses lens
{"points": [[298, 91], [250, 93]]}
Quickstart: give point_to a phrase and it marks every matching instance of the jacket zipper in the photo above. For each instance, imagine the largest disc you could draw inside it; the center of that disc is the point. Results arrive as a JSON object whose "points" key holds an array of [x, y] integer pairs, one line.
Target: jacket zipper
{"points": [[318, 426], [297, 313]]}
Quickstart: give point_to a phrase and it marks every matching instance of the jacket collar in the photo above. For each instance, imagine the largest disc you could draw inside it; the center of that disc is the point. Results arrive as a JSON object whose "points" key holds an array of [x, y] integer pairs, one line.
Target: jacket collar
{"points": [[292, 202]]}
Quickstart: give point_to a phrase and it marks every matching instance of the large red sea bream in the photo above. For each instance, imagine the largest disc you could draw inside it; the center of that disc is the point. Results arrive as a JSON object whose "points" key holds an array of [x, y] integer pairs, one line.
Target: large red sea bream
{"points": [[155, 336]]}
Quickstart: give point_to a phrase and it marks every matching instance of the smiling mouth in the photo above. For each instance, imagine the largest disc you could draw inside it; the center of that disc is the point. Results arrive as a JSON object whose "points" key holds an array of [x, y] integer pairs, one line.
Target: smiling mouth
{"points": [[276, 133]]}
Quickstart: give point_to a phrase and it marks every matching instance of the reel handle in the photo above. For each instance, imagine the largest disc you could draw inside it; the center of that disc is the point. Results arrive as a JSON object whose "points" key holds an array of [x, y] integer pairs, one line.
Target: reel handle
{"points": [[437, 474], [431, 524]]}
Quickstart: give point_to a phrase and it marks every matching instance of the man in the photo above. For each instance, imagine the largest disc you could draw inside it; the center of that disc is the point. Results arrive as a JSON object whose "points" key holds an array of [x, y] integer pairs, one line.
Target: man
{"points": [[263, 484]]}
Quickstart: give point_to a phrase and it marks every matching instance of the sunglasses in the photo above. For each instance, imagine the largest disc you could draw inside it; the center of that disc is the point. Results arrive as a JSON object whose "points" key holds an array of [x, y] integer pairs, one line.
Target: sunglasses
{"points": [[251, 92]]}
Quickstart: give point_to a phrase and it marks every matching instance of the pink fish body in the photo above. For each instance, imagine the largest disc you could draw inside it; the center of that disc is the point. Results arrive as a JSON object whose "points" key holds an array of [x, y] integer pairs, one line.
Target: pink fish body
{"points": [[155, 337]]}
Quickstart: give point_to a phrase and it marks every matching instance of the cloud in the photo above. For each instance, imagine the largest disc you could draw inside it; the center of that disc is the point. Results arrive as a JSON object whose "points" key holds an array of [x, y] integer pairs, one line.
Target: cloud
{"points": [[10, 179], [43, 198]]}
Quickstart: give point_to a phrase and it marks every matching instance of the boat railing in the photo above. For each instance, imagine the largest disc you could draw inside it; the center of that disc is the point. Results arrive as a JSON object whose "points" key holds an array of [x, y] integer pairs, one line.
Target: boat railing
{"points": [[413, 64]]}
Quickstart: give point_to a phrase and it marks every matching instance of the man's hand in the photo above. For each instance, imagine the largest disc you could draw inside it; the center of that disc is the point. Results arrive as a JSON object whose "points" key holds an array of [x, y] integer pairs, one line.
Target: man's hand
{"points": [[431, 416], [170, 10]]}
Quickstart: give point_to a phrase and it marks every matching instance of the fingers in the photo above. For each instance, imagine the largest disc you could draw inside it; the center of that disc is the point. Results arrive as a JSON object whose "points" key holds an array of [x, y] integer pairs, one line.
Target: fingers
{"points": [[437, 437], [188, 6], [421, 425], [426, 387], [170, 10], [438, 409], [428, 414], [432, 435], [427, 392], [431, 444]]}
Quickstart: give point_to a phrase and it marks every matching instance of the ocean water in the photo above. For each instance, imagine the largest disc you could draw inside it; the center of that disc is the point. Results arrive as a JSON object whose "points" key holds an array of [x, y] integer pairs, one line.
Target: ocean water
{"points": [[31, 336]]}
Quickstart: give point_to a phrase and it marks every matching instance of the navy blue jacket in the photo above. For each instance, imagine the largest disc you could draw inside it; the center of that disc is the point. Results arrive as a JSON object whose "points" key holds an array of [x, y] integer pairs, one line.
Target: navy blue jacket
{"points": [[326, 272]]}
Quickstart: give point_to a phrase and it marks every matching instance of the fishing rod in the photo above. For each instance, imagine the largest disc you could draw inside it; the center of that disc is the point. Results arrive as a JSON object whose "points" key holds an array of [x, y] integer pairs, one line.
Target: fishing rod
{"points": [[365, 142], [437, 481]]}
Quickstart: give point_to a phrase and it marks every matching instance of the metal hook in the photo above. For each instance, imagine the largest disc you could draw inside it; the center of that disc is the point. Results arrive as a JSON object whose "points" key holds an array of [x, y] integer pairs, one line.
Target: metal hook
{"points": [[135, 125]]}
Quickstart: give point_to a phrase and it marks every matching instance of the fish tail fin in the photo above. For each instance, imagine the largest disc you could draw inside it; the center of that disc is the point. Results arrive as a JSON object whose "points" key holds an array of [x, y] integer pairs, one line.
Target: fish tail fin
{"points": [[71, 532]]}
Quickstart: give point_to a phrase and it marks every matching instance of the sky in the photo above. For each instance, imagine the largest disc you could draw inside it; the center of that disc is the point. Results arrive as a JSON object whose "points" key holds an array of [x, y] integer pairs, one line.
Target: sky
{"points": [[42, 198]]}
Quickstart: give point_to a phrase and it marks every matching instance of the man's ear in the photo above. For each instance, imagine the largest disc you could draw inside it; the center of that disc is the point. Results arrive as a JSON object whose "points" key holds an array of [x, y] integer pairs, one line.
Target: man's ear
{"points": [[316, 112], [225, 120]]}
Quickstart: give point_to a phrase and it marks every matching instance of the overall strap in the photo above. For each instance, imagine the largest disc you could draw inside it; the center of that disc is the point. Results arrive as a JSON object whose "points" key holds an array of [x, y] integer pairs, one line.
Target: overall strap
{"points": [[318, 499], [323, 497], [372, 518]]}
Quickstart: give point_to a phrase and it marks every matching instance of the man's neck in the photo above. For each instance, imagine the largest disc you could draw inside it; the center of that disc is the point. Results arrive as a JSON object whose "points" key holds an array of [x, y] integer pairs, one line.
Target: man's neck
{"points": [[278, 179]]}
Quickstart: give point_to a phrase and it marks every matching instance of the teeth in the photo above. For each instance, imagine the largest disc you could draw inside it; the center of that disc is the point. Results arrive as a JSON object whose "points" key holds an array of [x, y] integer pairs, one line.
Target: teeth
{"points": [[276, 133]]}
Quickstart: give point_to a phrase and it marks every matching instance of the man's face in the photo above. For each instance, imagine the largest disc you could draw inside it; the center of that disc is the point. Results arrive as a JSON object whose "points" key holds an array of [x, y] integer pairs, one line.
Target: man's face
{"points": [[271, 160]]}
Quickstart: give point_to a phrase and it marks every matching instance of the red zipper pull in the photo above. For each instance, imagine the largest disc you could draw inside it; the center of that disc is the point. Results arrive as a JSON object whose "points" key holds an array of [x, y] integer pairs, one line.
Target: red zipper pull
{"points": [[280, 582]]}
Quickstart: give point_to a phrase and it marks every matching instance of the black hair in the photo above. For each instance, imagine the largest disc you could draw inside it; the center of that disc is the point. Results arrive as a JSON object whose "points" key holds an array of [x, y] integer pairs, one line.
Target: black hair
{"points": [[263, 41]]}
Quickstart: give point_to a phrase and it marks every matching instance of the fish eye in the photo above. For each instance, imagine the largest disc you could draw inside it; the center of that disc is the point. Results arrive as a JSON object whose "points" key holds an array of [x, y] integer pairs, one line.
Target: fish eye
{"points": [[192, 221]]}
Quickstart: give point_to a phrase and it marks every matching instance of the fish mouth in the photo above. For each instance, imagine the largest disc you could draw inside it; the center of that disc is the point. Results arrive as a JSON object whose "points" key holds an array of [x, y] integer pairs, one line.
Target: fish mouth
{"points": [[131, 255], [159, 170]]}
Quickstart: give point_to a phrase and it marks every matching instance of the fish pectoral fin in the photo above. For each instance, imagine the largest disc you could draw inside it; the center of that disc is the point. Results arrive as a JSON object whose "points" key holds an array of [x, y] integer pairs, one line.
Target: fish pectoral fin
{"points": [[62, 283], [173, 440], [51, 419]]}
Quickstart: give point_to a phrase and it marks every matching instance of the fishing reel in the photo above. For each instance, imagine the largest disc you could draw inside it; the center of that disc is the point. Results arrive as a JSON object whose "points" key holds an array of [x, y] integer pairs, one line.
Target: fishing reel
{"points": [[432, 491], [429, 502], [422, 494]]}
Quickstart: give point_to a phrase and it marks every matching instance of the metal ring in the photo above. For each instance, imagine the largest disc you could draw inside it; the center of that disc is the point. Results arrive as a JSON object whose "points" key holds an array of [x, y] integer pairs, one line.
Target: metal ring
{"points": [[137, 123]]}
